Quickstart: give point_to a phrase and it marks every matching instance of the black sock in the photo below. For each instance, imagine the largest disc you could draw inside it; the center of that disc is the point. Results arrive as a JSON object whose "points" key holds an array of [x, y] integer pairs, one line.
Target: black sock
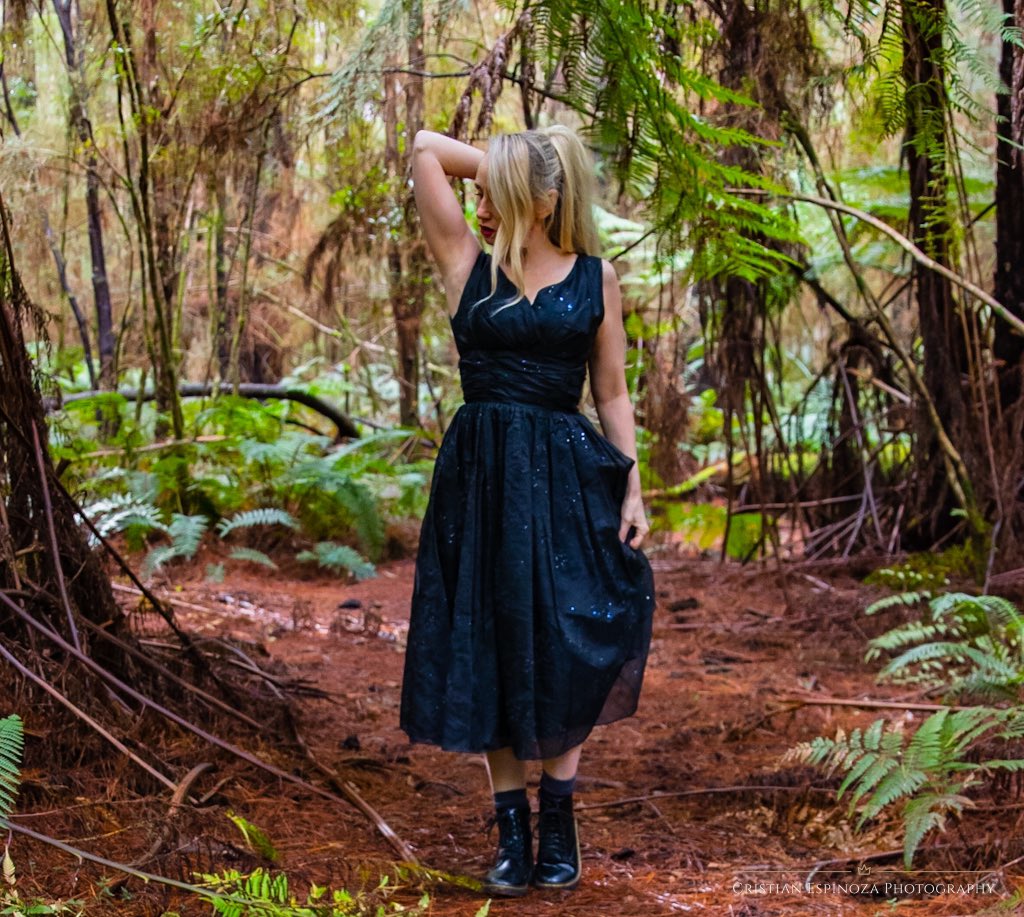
{"points": [[511, 799], [554, 791]]}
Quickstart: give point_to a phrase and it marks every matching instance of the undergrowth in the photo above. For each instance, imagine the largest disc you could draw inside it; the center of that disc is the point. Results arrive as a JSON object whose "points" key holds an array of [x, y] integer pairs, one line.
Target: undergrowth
{"points": [[968, 651], [12, 736], [262, 893], [257, 478]]}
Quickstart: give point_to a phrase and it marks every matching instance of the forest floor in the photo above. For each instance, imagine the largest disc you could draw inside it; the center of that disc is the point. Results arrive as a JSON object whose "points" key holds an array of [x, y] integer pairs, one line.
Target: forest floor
{"points": [[685, 808]]}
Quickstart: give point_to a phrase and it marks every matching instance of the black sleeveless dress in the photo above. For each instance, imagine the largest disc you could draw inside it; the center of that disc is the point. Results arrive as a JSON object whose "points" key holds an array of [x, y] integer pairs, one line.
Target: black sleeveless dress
{"points": [[530, 619]]}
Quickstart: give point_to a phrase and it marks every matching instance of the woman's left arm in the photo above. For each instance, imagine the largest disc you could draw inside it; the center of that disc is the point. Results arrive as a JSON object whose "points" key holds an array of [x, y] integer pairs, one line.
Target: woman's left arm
{"points": [[611, 398]]}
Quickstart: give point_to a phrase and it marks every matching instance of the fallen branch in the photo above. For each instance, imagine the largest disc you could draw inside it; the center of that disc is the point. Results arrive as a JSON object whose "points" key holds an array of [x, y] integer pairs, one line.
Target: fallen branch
{"points": [[124, 867], [795, 702], [706, 791], [345, 425], [82, 715]]}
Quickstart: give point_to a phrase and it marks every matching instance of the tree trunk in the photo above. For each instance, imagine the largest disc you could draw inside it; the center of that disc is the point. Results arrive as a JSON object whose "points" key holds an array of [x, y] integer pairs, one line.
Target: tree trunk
{"points": [[407, 274], [82, 127], [1009, 275], [39, 536], [939, 316], [156, 249]]}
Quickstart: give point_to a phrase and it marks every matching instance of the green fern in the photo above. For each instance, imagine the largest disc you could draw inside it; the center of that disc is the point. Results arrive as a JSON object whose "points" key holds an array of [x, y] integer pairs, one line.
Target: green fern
{"points": [[12, 739], [964, 644], [253, 556], [330, 498], [186, 533], [254, 517], [927, 773], [128, 513], [262, 894], [338, 557]]}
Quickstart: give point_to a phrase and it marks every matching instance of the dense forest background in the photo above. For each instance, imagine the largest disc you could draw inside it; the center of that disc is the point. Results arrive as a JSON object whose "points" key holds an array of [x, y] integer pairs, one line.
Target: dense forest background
{"points": [[224, 349], [814, 210]]}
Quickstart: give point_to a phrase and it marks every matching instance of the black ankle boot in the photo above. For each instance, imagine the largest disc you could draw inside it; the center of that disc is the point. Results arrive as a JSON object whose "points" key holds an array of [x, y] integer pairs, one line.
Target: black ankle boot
{"points": [[558, 850], [512, 870]]}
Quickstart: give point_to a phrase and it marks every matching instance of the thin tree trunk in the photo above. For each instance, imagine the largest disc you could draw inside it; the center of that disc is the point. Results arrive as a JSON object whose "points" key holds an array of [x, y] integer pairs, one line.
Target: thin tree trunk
{"points": [[1009, 274], [940, 321], [153, 241], [82, 127], [407, 274]]}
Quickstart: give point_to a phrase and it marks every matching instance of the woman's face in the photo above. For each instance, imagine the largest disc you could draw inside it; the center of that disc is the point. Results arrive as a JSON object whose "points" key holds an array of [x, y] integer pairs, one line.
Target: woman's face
{"points": [[486, 215]]}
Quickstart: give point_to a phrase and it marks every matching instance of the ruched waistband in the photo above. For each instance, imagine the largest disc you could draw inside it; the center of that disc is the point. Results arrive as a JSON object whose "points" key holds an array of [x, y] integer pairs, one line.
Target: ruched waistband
{"points": [[509, 377]]}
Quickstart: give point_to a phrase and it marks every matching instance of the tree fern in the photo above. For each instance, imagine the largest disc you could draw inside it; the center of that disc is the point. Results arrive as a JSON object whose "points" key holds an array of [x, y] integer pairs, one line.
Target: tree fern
{"points": [[254, 517], [12, 739]]}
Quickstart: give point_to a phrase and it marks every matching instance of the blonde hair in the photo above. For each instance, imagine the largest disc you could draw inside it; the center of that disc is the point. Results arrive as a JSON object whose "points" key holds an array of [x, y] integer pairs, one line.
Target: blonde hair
{"points": [[523, 169]]}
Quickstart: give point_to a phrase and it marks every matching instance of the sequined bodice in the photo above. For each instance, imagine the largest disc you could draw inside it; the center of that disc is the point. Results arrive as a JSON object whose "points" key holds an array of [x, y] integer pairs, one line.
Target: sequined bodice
{"points": [[529, 352]]}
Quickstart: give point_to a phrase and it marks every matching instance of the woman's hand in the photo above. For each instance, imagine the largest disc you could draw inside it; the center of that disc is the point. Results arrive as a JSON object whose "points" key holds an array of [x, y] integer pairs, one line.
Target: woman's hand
{"points": [[633, 514], [449, 238]]}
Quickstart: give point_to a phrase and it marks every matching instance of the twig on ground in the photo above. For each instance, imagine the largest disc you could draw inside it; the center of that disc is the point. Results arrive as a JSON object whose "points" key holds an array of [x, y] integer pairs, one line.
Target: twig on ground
{"points": [[706, 791], [796, 702]]}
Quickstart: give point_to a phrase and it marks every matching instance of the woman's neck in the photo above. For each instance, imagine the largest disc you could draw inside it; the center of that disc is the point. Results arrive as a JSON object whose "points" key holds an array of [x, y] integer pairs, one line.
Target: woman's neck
{"points": [[538, 250]]}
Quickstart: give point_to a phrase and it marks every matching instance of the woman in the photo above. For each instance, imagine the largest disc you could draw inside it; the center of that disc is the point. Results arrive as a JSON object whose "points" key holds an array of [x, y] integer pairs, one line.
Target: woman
{"points": [[532, 603]]}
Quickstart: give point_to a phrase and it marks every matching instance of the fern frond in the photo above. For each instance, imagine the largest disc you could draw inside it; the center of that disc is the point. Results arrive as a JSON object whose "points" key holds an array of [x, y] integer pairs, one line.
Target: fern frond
{"points": [[186, 533], [903, 599], [253, 517], [923, 814], [338, 557], [253, 556], [12, 740]]}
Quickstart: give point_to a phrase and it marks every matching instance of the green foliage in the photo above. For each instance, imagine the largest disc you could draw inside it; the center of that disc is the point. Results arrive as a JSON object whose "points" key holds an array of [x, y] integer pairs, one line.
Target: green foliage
{"points": [[12, 739], [248, 477], [186, 534], [254, 517], [255, 838], [704, 525], [338, 558], [253, 556], [620, 61], [261, 894], [925, 773], [964, 644]]}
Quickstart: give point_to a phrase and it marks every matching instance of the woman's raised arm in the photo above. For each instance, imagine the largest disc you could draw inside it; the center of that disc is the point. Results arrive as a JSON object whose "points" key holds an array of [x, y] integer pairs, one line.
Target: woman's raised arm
{"points": [[435, 158]]}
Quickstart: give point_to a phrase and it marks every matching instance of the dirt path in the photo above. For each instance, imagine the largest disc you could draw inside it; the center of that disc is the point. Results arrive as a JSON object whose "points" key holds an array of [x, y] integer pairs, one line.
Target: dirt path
{"points": [[684, 808]]}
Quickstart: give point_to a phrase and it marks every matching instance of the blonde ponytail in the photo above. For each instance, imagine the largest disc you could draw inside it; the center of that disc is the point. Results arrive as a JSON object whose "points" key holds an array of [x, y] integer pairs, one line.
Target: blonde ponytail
{"points": [[523, 169]]}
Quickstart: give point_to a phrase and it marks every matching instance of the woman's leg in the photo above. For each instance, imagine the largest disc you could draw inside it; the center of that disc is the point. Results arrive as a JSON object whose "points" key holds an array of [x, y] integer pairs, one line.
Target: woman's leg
{"points": [[564, 766], [558, 852], [506, 771], [514, 865]]}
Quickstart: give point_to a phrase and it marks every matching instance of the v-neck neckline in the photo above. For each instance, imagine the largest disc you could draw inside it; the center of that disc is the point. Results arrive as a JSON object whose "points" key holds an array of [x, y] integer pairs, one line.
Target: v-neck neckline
{"points": [[557, 283]]}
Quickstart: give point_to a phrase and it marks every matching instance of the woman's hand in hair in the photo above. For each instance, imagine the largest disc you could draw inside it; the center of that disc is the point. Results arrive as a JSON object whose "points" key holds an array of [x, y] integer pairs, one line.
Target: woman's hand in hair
{"points": [[435, 158]]}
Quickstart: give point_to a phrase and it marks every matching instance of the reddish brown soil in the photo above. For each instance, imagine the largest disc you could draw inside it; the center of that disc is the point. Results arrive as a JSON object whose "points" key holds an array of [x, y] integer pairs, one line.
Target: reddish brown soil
{"points": [[684, 808]]}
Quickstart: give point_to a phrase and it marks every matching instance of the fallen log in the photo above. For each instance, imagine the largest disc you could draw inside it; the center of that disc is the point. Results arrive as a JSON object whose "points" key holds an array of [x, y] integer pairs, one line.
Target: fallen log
{"points": [[345, 425]]}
